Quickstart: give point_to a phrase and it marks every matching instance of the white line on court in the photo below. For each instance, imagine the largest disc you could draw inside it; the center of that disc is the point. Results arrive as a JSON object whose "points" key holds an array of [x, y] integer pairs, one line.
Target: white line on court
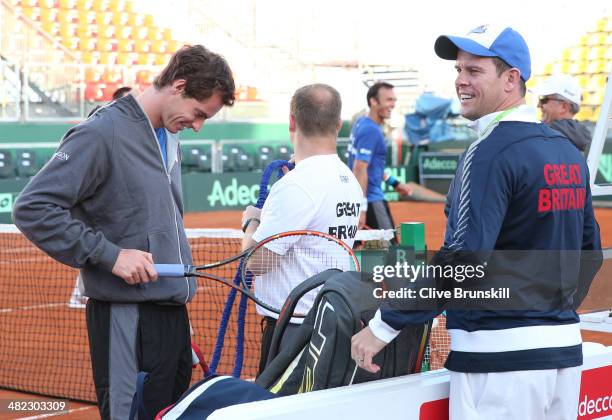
{"points": [[29, 308], [59, 413]]}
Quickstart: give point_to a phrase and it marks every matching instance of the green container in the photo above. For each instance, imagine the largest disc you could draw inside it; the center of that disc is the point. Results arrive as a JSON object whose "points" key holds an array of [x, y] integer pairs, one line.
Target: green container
{"points": [[412, 234]]}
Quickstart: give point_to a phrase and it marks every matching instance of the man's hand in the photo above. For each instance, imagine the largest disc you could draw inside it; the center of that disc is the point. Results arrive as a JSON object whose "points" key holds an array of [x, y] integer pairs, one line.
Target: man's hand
{"points": [[135, 266], [403, 189], [249, 213], [364, 346], [362, 219]]}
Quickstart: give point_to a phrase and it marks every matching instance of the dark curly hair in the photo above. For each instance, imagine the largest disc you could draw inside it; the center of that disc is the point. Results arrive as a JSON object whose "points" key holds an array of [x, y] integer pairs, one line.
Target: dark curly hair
{"points": [[204, 72]]}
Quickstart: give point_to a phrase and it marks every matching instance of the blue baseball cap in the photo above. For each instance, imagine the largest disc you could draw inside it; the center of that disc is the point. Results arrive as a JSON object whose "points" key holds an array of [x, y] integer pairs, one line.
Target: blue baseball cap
{"points": [[487, 41]]}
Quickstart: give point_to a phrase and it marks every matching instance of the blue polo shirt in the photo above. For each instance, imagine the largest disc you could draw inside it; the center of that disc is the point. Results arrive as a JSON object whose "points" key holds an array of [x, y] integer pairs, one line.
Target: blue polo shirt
{"points": [[162, 139], [367, 143]]}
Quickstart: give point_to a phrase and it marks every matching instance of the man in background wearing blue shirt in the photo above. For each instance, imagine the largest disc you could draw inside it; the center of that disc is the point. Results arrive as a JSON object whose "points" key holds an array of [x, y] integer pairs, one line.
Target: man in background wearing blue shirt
{"points": [[368, 158]]}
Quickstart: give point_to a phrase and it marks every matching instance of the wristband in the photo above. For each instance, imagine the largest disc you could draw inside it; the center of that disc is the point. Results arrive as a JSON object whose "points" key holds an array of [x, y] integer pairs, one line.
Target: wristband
{"points": [[392, 181], [248, 222], [364, 205]]}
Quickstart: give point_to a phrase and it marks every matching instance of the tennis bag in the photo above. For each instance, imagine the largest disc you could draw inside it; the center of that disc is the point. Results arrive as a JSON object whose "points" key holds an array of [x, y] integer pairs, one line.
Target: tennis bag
{"points": [[319, 355]]}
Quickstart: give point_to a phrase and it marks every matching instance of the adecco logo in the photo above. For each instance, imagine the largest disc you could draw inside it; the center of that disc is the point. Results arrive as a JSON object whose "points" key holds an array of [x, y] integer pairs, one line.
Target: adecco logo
{"points": [[436, 164], [233, 194], [595, 394]]}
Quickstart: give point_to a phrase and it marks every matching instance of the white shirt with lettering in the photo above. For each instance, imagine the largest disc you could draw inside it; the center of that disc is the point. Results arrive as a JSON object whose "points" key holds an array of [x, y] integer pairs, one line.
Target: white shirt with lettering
{"points": [[321, 194]]}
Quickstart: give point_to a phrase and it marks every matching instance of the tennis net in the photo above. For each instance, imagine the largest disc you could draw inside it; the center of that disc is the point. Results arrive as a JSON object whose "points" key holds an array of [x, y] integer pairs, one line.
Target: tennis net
{"points": [[43, 334]]}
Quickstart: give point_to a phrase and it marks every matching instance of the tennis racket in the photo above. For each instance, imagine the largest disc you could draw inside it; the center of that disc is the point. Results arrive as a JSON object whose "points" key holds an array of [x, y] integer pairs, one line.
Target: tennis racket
{"points": [[276, 265]]}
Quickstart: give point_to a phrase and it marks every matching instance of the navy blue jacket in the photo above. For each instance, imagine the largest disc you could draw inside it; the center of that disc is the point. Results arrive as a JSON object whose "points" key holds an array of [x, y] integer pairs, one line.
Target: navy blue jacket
{"points": [[523, 187]]}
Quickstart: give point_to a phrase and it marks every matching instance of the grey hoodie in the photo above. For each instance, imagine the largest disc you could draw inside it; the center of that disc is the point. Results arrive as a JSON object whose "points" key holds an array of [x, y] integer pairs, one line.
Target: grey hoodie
{"points": [[106, 188], [573, 130]]}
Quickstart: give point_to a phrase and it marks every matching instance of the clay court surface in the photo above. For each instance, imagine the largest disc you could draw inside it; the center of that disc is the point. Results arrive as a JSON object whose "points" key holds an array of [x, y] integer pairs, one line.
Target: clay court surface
{"points": [[39, 319]]}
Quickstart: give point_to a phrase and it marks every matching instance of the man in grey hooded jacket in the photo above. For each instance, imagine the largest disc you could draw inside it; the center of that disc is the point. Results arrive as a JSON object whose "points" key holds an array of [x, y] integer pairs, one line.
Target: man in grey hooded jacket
{"points": [[560, 98], [110, 203]]}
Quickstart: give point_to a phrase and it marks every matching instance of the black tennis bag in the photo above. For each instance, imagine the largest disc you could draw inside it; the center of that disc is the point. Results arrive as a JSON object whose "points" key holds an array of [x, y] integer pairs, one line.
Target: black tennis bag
{"points": [[319, 356]]}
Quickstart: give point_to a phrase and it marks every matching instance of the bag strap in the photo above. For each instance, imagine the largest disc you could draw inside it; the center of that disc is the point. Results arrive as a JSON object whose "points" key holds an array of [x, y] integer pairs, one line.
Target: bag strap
{"points": [[138, 399], [290, 304]]}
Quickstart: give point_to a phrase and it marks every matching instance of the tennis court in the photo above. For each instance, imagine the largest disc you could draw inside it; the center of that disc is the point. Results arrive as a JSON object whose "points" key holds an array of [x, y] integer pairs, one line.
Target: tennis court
{"points": [[44, 341]]}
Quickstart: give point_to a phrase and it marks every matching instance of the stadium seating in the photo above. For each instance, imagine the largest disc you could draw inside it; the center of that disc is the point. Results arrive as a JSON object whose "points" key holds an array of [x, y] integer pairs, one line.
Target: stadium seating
{"points": [[590, 61], [26, 163], [104, 33], [6, 165]]}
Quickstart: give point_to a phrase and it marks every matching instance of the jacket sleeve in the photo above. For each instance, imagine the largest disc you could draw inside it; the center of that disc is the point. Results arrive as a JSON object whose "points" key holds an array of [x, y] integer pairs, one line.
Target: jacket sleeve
{"points": [[43, 209]]}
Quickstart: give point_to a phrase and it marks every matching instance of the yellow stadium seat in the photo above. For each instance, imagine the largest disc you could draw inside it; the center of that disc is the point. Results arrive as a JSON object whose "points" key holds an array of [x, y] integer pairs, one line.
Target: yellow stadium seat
{"points": [[67, 4], [125, 45], [595, 113], [116, 6], [100, 5], [87, 44], [582, 81], [567, 54], [124, 32], [596, 53], [103, 18], [29, 3], [72, 43], [84, 4], [601, 25], [135, 20], [142, 46], [144, 77], [148, 21], [112, 75], [124, 59], [548, 67], [155, 34], [598, 38], [67, 30], [173, 46], [141, 33], [585, 113], [32, 13], [584, 40], [92, 75], [108, 31], [565, 66], [578, 67], [89, 57], [86, 17], [143, 59], [158, 47], [167, 34], [51, 28], [120, 18], [160, 60], [48, 15], [66, 16], [597, 82], [108, 58], [597, 66], [106, 45], [128, 7], [86, 31]]}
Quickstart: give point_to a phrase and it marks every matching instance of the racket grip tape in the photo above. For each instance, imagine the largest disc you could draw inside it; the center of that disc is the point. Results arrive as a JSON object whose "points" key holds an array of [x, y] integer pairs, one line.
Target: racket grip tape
{"points": [[172, 270]]}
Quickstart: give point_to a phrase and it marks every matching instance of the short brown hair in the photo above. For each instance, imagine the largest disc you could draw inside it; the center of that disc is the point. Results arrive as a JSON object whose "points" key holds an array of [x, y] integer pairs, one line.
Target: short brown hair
{"points": [[373, 90], [501, 66], [204, 72], [316, 109]]}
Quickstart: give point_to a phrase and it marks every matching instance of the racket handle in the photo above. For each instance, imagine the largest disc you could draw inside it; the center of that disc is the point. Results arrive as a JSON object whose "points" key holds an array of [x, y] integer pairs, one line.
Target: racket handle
{"points": [[171, 270]]}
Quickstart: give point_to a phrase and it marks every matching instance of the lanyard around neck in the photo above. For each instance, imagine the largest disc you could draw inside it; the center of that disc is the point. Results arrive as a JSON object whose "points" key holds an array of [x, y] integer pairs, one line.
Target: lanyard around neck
{"points": [[496, 121]]}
